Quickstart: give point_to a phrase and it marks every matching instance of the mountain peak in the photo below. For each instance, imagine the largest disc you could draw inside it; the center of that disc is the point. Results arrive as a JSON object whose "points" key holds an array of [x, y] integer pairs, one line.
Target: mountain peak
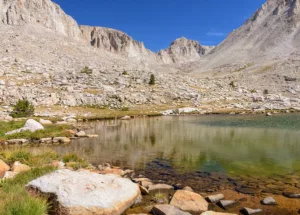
{"points": [[183, 50]]}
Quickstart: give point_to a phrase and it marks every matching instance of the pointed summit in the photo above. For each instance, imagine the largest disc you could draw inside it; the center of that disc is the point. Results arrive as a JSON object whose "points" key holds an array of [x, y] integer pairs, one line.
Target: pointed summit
{"points": [[183, 50]]}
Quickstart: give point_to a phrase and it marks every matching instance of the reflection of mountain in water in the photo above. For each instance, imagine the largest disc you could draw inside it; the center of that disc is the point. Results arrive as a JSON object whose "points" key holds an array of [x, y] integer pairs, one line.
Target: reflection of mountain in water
{"points": [[189, 145]]}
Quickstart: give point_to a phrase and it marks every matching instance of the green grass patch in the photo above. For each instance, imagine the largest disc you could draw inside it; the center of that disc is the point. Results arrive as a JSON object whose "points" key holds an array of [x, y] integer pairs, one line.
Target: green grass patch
{"points": [[24, 156], [49, 131], [9, 126], [15, 200], [74, 161]]}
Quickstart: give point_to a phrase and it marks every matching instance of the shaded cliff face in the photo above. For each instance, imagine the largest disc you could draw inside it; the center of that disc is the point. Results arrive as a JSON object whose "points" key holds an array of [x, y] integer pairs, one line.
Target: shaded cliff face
{"points": [[117, 42], [183, 50], [272, 33]]}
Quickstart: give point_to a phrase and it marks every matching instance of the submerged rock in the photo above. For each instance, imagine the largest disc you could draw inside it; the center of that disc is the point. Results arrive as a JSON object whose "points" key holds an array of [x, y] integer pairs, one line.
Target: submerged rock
{"points": [[216, 213], [160, 188], [80, 134], [269, 201], [61, 140], [249, 211], [215, 198], [227, 203], [292, 195], [86, 193], [189, 201], [167, 210]]}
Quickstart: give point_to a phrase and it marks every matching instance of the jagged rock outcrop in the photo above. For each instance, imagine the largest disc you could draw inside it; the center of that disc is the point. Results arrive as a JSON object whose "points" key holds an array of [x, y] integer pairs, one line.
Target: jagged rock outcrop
{"points": [[38, 12], [183, 50], [117, 42], [47, 14]]}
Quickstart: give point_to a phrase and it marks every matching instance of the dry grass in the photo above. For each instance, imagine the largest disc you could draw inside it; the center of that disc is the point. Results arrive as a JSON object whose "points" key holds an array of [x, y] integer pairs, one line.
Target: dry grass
{"points": [[93, 91], [106, 113]]}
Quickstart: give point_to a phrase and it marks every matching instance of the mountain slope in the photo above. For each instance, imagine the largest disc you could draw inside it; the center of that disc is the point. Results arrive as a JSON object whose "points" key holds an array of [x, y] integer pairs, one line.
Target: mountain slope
{"points": [[273, 32]]}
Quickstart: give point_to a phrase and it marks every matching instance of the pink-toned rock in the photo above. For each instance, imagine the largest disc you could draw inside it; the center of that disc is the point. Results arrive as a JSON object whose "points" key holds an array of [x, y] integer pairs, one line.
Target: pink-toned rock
{"points": [[3, 168], [114, 171], [189, 201], [10, 174], [19, 167]]}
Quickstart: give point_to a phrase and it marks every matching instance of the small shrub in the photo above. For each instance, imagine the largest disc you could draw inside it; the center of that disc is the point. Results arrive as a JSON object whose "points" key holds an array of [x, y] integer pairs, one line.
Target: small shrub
{"points": [[125, 72], [87, 70], [21, 156], [152, 79], [79, 165], [266, 92], [253, 91], [232, 84], [23, 108], [74, 161]]}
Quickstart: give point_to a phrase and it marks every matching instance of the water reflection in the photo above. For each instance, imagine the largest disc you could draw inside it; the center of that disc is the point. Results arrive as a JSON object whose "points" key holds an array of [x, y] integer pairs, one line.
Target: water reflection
{"points": [[234, 145]]}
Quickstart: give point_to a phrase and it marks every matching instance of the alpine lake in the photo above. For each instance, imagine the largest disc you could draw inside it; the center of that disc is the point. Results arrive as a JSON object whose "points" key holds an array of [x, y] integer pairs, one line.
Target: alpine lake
{"points": [[238, 155]]}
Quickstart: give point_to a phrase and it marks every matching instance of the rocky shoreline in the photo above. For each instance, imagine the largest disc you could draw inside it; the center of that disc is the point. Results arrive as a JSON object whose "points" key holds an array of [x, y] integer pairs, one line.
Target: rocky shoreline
{"points": [[85, 191]]}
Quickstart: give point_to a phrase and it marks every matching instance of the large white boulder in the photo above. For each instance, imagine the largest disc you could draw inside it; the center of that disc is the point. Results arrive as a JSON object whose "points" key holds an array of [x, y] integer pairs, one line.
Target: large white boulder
{"points": [[86, 193], [30, 125]]}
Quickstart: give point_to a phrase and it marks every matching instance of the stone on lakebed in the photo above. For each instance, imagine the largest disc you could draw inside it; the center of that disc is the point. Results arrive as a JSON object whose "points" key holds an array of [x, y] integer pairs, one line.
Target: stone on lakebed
{"points": [[86, 193], [216, 213], [167, 210], [189, 201]]}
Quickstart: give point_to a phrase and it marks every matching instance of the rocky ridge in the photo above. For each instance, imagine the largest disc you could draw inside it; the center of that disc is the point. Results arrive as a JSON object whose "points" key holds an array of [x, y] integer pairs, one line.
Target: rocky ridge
{"points": [[49, 15], [119, 67]]}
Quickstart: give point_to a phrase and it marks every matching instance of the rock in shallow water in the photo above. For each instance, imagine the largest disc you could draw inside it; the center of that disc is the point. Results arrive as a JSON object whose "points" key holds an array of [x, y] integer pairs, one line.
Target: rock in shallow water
{"points": [[167, 210], [160, 188], [86, 193], [215, 213], [80, 134], [292, 195], [189, 201], [249, 211], [227, 203], [215, 198], [268, 201]]}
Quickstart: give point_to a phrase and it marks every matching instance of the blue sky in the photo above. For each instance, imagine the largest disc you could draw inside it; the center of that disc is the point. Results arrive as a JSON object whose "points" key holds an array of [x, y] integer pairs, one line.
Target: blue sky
{"points": [[158, 22]]}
